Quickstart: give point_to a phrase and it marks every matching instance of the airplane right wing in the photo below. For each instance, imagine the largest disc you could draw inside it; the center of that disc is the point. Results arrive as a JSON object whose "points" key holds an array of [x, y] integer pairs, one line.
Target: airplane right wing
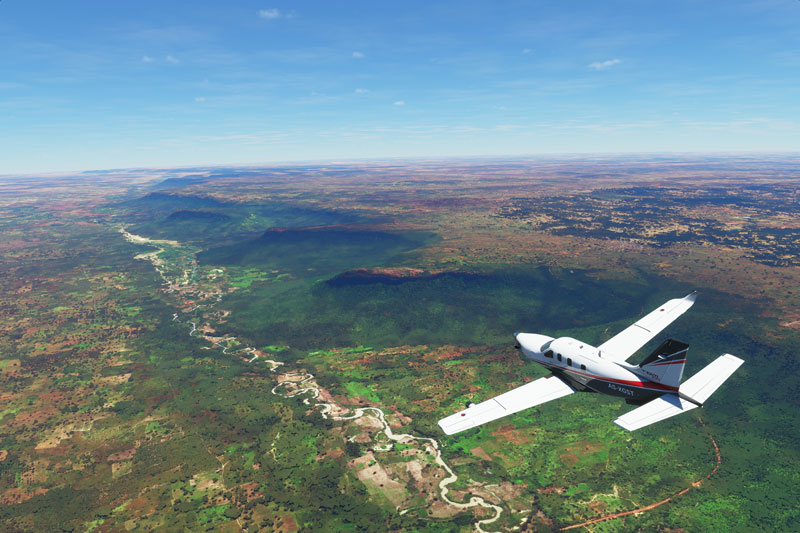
{"points": [[693, 393], [534, 393], [623, 345]]}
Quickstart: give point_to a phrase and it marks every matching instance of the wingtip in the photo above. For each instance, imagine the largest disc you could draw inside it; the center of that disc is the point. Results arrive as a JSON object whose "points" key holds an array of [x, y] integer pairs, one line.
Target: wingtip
{"points": [[448, 429], [737, 360]]}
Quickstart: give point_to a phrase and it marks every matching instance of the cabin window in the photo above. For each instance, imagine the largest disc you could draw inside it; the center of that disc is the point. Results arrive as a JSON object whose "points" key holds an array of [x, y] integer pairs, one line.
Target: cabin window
{"points": [[549, 353], [558, 355], [569, 361], [583, 367]]}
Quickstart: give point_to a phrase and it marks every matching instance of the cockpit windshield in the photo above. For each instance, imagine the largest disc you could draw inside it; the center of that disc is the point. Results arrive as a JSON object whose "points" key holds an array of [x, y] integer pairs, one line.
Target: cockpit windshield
{"points": [[546, 345]]}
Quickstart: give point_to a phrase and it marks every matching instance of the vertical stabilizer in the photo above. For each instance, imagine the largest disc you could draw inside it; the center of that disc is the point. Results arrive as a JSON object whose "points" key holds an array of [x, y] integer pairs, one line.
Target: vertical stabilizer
{"points": [[665, 364]]}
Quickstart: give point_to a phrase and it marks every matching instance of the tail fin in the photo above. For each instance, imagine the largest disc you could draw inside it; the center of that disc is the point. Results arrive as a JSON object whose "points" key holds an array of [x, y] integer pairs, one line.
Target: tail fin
{"points": [[665, 364]]}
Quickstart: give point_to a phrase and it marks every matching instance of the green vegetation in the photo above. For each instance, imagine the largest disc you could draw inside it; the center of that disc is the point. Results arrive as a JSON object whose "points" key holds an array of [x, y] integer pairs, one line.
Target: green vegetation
{"points": [[433, 309], [313, 252], [206, 220], [211, 515], [115, 417], [357, 389], [274, 348]]}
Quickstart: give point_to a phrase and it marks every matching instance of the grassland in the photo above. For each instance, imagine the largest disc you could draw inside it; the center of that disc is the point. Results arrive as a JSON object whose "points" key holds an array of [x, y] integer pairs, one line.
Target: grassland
{"points": [[136, 394]]}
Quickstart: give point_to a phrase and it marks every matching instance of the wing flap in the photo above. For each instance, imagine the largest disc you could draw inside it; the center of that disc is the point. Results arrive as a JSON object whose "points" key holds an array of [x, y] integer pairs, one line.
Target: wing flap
{"points": [[654, 411], [621, 346], [703, 384], [529, 395]]}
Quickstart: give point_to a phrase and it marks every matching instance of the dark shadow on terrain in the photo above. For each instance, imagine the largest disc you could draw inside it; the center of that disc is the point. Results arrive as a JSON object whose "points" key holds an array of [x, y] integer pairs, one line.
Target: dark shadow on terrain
{"points": [[461, 308], [178, 183], [162, 203], [196, 216], [206, 221], [315, 251]]}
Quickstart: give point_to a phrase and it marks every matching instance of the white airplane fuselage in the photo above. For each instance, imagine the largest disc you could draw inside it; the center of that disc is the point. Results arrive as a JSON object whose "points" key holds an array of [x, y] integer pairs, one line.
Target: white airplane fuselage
{"points": [[584, 367], [656, 384]]}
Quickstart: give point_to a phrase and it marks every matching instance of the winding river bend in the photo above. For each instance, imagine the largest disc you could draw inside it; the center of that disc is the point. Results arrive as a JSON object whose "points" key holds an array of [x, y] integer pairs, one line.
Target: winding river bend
{"points": [[293, 383]]}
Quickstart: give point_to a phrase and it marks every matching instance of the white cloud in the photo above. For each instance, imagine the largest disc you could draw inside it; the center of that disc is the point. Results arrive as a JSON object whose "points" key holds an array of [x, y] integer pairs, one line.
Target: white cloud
{"points": [[508, 127], [361, 91], [172, 59], [147, 59], [269, 14], [603, 65], [358, 55], [527, 51], [399, 103], [200, 99]]}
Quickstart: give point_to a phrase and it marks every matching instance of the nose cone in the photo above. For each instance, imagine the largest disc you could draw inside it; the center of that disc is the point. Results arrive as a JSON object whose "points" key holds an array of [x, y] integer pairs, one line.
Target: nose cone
{"points": [[532, 342]]}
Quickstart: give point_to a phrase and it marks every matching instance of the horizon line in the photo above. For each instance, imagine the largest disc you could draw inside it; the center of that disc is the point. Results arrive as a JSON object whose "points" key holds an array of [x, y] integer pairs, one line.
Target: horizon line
{"points": [[554, 156]]}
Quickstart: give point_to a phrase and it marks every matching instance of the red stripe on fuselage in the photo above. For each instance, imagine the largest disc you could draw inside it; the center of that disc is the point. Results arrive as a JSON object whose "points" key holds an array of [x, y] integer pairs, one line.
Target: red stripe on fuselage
{"points": [[669, 363], [649, 385]]}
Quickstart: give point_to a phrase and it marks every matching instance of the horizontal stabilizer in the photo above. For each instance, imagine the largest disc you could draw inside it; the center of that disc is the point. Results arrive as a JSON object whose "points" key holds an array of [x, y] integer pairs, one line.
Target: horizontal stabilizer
{"points": [[654, 411], [693, 393], [703, 384], [534, 393]]}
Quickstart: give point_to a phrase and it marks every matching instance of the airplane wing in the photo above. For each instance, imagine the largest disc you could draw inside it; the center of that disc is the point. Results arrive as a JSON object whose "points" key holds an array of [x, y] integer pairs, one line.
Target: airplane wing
{"points": [[621, 346], [696, 390], [534, 393]]}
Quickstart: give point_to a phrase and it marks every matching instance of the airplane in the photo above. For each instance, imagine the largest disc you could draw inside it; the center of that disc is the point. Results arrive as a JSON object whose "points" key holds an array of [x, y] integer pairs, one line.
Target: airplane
{"points": [[654, 384]]}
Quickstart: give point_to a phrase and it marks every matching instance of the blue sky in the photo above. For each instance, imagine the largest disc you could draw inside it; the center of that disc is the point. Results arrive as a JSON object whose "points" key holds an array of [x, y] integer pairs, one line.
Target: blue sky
{"points": [[100, 84]]}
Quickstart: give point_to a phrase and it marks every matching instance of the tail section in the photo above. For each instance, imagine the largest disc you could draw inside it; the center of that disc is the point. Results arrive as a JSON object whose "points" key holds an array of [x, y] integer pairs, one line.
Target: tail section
{"points": [[665, 364], [693, 393]]}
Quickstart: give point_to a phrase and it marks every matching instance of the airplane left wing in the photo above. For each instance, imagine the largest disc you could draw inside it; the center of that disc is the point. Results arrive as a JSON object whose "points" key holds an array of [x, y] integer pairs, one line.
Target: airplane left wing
{"points": [[534, 393], [623, 345]]}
